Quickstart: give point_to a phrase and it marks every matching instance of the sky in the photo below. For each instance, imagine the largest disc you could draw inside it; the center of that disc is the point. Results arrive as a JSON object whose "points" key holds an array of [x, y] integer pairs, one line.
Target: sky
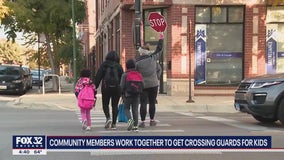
{"points": [[3, 36], [2, 33]]}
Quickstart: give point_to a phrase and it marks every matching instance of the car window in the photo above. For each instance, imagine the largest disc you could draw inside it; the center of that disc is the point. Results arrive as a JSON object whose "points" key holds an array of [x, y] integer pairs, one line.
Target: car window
{"points": [[7, 70], [35, 73], [27, 70]]}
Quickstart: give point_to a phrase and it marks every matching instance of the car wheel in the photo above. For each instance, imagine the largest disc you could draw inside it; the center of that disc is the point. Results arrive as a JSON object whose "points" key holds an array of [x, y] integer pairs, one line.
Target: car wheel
{"points": [[263, 119], [280, 114]]}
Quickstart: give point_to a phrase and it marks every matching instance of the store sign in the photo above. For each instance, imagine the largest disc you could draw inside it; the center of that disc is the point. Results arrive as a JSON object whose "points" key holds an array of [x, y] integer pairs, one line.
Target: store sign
{"points": [[200, 54], [271, 50]]}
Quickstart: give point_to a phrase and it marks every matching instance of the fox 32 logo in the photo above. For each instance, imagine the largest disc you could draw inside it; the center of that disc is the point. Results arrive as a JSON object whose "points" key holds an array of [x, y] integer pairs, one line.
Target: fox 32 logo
{"points": [[29, 142]]}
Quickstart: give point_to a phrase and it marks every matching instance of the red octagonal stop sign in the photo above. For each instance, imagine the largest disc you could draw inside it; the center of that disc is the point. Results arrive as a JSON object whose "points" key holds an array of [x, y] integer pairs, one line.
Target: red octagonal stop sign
{"points": [[157, 21]]}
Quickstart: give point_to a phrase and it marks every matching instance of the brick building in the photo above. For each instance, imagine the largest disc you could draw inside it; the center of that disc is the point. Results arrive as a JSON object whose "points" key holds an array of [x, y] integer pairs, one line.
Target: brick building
{"points": [[215, 42]]}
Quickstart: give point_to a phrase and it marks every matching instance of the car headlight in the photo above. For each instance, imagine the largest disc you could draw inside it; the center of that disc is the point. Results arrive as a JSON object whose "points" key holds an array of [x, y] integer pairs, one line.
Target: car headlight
{"points": [[17, 81], [264, 84]]}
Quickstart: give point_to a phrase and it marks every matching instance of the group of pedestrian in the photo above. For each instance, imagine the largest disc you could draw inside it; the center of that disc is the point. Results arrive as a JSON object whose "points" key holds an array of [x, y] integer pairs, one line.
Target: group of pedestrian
{"points": [[137, 85]]}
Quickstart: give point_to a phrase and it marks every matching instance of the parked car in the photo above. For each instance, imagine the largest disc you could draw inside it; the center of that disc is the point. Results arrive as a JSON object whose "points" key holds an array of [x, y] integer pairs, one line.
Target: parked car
{"points": [[262, 97], [30, 78], [35, 75], [13, 79]]}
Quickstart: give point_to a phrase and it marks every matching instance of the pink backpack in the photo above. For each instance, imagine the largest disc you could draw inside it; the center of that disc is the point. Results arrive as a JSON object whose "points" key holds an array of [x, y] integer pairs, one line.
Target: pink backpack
{"points": [[86, 98]]}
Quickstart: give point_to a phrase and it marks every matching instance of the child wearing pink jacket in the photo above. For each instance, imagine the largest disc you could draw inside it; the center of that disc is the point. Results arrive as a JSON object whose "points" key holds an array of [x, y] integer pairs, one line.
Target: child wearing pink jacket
{"points": [[85, 113]]}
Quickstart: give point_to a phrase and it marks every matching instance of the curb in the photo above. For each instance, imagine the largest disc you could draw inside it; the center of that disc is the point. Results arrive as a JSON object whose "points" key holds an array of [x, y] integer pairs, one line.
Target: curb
{"points": [[198, 108], [212, 104]]}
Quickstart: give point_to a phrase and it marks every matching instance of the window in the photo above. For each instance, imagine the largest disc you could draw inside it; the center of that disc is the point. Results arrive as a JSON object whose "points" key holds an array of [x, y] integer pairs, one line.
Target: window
{"points": [[236, 14], [275, 40], [9, 70], [202, 15], [219, 53], [117, 34], [219, 15], [150, 35]]}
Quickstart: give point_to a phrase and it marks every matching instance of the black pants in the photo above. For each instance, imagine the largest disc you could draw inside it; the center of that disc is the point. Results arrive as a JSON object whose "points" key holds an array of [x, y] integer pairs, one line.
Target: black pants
{"points": [[148, 95], [112, 94], [132, 103]]}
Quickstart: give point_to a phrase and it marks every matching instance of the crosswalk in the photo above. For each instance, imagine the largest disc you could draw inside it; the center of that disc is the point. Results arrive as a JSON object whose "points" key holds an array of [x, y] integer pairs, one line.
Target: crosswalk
{"points": [[98, 121], [252, 127]]}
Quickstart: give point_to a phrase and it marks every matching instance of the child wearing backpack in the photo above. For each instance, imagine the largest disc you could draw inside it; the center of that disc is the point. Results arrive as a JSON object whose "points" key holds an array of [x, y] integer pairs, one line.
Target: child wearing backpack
{"points": [[85, 92], [131, 84]]}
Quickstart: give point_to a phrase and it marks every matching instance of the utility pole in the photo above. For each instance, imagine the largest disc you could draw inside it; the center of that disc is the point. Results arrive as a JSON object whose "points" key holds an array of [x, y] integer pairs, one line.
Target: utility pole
{"points": [[74, 43], [137, 24]]}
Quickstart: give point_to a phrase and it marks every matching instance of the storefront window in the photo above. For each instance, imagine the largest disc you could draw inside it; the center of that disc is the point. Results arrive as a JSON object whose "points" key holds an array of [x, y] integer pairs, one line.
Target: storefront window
{"points": [[219, 48], [202, 15], [275, 40], [219, 15], [151, 37], [236, 15]]}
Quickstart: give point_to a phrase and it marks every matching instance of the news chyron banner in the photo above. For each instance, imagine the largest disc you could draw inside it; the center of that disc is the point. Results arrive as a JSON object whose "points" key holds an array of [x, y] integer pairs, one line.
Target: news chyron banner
{"points": [[40, 145]]}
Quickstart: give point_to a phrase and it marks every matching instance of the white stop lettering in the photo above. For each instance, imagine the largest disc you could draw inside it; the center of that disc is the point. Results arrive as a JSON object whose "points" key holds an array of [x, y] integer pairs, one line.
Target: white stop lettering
{"points": [[157, 22]]}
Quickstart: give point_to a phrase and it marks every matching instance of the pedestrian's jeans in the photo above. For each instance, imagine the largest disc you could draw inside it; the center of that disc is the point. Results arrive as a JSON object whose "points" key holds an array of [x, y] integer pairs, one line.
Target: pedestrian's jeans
{"points": [[132, 103], [148, 95], [86, 115]]}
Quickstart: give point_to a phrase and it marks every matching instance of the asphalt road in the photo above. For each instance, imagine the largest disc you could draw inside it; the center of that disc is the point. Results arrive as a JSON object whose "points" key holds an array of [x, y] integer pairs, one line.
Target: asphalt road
{"points": [[21, 121]]}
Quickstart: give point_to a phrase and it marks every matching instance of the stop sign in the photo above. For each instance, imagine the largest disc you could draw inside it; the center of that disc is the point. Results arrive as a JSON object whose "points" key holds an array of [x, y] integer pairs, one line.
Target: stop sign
{"points": [[157, 21]]}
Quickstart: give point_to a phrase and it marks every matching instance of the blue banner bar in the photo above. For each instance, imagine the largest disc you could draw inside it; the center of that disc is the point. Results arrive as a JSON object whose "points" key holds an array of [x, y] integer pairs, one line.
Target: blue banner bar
{"points": [[158, 142]]}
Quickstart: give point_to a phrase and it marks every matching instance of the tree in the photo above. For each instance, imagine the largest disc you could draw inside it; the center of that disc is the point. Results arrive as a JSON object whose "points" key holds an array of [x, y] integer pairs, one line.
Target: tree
{"points": [[4, 10], [10, 52], [51, 18]]}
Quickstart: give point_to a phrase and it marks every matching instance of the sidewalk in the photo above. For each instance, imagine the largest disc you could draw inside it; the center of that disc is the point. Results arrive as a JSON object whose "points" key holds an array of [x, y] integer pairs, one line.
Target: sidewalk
{"points": [[67, 101]]}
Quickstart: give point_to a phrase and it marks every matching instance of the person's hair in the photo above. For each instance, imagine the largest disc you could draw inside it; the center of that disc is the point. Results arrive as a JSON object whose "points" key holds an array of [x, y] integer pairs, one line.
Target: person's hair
{"points": [[144, 50], [112, 56], [130, 64], [146, 46], [85, 73]]}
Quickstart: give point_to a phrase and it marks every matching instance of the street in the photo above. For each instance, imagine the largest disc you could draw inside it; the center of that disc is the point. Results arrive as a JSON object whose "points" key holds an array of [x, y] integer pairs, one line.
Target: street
{"points": [[44, 121]]}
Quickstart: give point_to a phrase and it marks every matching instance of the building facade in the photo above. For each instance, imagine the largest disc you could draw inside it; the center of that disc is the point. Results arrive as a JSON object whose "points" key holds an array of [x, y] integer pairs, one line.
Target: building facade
{"points": [[211, 44]]}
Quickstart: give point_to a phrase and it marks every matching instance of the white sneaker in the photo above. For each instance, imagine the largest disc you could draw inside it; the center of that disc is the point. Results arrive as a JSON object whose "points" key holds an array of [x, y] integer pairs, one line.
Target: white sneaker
{"points": [[84, 124], [108, 123], [88, 128]]}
